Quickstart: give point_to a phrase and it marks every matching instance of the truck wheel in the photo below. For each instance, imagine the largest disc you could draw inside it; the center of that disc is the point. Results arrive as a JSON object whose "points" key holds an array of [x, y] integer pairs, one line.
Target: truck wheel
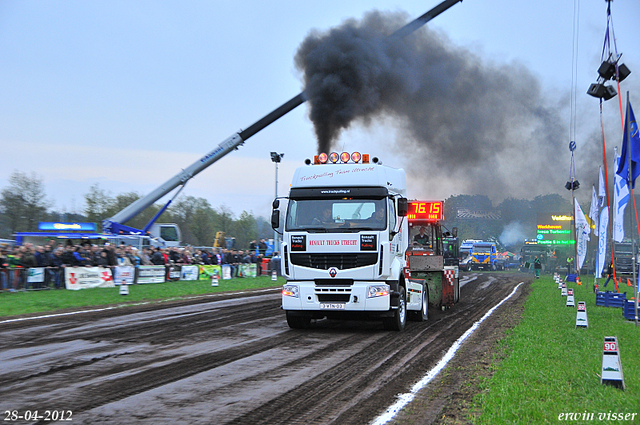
{"points": [[298, 322], [423, 314], [399, 319]]}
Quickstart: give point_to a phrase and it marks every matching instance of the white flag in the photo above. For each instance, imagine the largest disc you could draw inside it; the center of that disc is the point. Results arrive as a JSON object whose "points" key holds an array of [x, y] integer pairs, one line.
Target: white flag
{"points": [[593, 212], [602, 241], [582, 234], [620, 200], [602, 190]]}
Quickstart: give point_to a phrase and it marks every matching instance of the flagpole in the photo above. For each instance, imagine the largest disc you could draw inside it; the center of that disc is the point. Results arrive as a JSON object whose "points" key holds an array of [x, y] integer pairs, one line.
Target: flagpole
{"points": [[627, 129]]}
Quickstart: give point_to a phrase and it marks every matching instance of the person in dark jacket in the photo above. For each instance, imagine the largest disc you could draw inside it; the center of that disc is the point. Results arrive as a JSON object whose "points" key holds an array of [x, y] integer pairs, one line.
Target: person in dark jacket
{"points": [[157, 258]]}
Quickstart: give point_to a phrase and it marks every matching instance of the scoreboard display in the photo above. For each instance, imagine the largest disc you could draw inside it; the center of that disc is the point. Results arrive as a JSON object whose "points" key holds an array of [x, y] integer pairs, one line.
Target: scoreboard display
{"points": [[425, 210]]}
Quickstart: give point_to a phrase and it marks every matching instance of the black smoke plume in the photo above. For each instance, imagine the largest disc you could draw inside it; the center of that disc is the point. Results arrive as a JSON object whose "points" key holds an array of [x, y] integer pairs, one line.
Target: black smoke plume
{"points": [[463, 124]]}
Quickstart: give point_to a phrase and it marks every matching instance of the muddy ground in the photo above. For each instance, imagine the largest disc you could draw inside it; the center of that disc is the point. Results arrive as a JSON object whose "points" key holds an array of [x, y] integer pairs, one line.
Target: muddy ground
{"points": [[232, 359]]}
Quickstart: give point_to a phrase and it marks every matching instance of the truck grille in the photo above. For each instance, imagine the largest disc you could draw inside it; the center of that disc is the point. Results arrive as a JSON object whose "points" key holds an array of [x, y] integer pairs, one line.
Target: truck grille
{"points": [[325, 261]]}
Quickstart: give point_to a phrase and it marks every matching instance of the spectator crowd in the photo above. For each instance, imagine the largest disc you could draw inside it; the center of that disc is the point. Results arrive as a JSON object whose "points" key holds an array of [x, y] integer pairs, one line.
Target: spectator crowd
{"points": [[56, 257]]}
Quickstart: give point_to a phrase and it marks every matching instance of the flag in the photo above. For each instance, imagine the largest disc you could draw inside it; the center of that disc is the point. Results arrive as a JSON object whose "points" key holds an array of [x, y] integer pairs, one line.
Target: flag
{"points": [[620, 200], [602, 242], [602, 189], [630, 143], [593, 212], [582, 234]]}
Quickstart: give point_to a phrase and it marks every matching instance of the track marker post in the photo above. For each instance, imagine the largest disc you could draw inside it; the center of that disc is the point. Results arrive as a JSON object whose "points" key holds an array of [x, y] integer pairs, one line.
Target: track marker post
{"points": [[124, 288], [564, 290], [570, 300], [611, 365], [214, 278], [274, 275], [581, 316]]}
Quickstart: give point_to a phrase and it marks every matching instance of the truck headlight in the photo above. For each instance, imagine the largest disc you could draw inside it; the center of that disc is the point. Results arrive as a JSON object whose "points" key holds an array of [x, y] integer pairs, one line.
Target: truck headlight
{"points": [[378, 291], [291, 291]]}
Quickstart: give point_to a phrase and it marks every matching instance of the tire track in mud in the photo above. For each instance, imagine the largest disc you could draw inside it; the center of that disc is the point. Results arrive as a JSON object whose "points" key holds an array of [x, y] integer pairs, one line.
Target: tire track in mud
{"points": [[336, 372], [369, 381]]}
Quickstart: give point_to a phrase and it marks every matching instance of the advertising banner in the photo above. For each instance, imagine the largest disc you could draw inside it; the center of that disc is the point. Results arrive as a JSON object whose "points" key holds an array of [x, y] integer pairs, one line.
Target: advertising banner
{"points": [[226, 271], [248, 270], [189, 273], [76, 278], [206, 272], [124, 274], [173, 273], [151, 274], [36, 275]]}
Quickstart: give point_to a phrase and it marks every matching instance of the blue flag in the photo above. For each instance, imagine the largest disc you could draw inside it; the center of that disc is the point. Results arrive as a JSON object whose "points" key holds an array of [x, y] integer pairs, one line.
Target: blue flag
{"points": [[630, 140]]}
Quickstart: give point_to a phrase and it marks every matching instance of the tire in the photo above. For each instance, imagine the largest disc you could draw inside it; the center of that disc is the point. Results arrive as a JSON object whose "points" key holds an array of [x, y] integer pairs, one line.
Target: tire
{"points": [[298, 322], [423, 314], [399, 319]]}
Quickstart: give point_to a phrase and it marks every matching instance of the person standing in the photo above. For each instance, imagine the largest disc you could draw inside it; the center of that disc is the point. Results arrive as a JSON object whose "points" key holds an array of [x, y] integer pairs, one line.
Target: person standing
{"points": [[537, 265]]}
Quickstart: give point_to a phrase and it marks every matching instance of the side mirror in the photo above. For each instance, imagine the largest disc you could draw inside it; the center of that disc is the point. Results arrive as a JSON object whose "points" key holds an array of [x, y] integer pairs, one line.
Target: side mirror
{"points": [[276, 204], [454, 232], [403, 207], [275, 219]]}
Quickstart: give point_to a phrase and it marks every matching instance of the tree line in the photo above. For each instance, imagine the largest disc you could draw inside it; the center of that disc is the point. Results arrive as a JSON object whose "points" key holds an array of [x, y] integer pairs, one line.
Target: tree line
{"points": [[23, 204]]}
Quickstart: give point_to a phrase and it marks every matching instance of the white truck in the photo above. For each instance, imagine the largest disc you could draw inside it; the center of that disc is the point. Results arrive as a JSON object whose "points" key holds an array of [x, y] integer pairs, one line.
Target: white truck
{"points": [[344, 237]]}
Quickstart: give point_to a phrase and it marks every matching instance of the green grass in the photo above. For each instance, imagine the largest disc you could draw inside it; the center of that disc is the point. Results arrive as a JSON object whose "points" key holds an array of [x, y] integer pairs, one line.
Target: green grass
{"points": [[25, 302], [553, 368]]}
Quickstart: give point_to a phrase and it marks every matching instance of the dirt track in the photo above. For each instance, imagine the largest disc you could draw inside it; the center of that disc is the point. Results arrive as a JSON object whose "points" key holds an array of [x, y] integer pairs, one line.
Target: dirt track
{"points": [[232, 360]]}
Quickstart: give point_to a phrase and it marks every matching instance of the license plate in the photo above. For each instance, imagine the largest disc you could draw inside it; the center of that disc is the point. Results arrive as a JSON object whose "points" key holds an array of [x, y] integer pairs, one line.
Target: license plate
{"points": [[332, 306]]}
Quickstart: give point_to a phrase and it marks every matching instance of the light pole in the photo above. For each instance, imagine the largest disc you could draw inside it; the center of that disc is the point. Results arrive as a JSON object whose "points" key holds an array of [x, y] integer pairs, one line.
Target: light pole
{"points": [[276, 157]]}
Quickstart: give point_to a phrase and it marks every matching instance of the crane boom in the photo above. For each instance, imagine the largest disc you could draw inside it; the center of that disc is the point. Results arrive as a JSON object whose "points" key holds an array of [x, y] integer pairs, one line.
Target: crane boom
{"points": [[113, 224]]}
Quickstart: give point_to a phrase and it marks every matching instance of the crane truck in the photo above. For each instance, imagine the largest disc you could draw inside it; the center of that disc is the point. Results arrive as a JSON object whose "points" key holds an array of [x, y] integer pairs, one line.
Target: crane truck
{"points": [[432, 265], [344, 237], [115, 225]]}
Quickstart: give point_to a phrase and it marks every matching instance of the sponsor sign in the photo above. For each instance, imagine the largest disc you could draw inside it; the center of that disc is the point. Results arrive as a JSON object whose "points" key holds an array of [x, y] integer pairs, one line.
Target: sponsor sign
{"points": [[87, 227], [36, 275], [333, 243], [207, 272], [76, 278], [124, 273], [368, 242], [153, 274], [189, 273], [298, 243], [173, 273]]}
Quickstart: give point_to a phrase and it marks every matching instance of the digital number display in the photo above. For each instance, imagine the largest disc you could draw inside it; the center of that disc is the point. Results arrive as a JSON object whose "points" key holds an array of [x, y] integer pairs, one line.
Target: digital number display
{"points": [[425, 210]]}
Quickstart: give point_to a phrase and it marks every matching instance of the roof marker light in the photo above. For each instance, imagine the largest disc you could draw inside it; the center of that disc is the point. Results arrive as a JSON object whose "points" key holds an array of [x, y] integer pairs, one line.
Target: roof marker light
{"points": [[344, 157], [355, 157], [322, 158], [334, 157]]}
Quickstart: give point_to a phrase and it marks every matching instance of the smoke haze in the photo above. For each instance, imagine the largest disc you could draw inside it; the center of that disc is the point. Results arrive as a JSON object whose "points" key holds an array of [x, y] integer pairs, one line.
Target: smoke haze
{"points": [[462, 124]]}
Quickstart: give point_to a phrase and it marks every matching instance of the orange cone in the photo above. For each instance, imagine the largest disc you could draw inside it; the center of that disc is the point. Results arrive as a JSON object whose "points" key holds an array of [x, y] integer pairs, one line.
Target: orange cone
{"points": [[628, 282]]}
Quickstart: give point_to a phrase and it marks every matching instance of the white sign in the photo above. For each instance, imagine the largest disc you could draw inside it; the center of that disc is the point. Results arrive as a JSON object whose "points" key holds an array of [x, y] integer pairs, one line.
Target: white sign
{"points": [[76, 278]]}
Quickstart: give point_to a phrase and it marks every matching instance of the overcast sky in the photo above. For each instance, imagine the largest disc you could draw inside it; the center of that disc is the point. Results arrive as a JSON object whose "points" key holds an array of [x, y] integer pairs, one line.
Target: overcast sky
{"points": [[127, 93]]}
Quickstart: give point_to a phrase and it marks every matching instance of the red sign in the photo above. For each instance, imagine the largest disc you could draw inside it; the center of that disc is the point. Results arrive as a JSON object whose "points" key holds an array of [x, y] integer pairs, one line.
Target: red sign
{"points": [[610, 347], [425, 210]]}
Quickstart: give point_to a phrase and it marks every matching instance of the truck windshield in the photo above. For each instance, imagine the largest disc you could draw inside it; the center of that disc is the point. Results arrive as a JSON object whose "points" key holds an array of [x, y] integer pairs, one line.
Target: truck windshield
{"points": [[336, 215], [482, 249]]}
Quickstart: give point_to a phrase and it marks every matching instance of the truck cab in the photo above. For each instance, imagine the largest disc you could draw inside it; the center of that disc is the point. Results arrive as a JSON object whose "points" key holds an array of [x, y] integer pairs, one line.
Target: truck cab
{"points": [[343, 241], [483, 256]]}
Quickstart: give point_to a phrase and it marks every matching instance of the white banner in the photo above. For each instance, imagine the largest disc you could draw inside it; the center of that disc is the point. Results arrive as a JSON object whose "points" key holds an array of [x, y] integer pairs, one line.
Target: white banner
{"points": [[124, 274], [189, 273], [151, 274], [226, 271], [620, 200], [36, 275], [582, 233], [593, 212], [602, 189], [602, 242], [76, 278]]}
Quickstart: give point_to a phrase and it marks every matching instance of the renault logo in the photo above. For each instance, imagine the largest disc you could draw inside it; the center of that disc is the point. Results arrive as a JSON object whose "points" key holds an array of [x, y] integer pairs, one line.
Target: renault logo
{"points": [[333, 271]]}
